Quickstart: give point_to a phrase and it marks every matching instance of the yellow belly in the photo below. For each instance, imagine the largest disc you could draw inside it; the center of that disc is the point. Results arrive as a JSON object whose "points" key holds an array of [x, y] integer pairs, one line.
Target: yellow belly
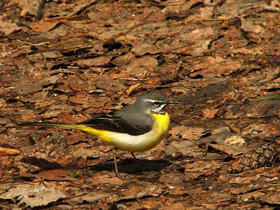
{"points": [[136, 143]]}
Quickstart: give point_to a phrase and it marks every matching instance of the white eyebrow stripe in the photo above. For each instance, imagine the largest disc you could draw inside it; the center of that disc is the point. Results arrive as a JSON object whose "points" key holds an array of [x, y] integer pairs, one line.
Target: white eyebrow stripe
{"points": [[152, 100]]}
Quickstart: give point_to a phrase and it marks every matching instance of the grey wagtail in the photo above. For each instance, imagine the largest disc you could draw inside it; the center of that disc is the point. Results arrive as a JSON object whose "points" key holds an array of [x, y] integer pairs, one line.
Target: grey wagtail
{"points": [[135, 128]]}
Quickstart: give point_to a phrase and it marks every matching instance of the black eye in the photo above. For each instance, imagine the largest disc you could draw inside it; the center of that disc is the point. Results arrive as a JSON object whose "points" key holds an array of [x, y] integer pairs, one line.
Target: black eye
{"points": [[156, 103]]}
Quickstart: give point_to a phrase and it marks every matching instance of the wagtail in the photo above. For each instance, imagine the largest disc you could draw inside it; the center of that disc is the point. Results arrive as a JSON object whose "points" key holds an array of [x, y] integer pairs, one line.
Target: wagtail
{"points": [[135, 128]]}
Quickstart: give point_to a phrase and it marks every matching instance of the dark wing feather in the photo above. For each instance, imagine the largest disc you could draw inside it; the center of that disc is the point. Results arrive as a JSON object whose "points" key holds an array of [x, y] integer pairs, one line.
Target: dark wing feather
{"points": [[120, 121]]}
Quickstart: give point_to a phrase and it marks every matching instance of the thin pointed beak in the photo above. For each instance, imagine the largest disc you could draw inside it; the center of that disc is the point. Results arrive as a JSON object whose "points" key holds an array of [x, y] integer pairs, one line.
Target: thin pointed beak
{"points": [[172, 103]]}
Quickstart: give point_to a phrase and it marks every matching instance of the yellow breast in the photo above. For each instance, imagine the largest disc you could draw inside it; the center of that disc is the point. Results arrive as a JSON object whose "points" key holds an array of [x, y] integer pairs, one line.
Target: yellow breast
{"points": [[162, 122]]}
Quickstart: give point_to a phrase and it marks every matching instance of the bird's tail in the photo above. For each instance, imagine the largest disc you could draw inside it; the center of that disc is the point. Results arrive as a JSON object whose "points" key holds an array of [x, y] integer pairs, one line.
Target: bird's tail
{"points": [[48, 124], [63, 125]]}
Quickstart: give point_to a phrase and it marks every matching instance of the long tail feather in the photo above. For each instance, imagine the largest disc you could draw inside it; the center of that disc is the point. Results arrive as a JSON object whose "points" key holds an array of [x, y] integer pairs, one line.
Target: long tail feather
{"points": [[61, 125], [48, 124]]}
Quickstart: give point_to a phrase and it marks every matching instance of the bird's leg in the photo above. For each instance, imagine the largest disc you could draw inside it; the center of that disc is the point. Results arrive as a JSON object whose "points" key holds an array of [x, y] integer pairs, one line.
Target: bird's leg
{"points": [[114, 150], [132, 153]]}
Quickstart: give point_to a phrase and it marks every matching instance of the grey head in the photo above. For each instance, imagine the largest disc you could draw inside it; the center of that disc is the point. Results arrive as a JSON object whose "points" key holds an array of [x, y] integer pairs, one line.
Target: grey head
{"points": [[154, 102]]}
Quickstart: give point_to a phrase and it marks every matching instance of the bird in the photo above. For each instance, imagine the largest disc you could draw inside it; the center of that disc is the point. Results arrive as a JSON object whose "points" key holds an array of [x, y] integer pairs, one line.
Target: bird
{"points": [[134, 128]]}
